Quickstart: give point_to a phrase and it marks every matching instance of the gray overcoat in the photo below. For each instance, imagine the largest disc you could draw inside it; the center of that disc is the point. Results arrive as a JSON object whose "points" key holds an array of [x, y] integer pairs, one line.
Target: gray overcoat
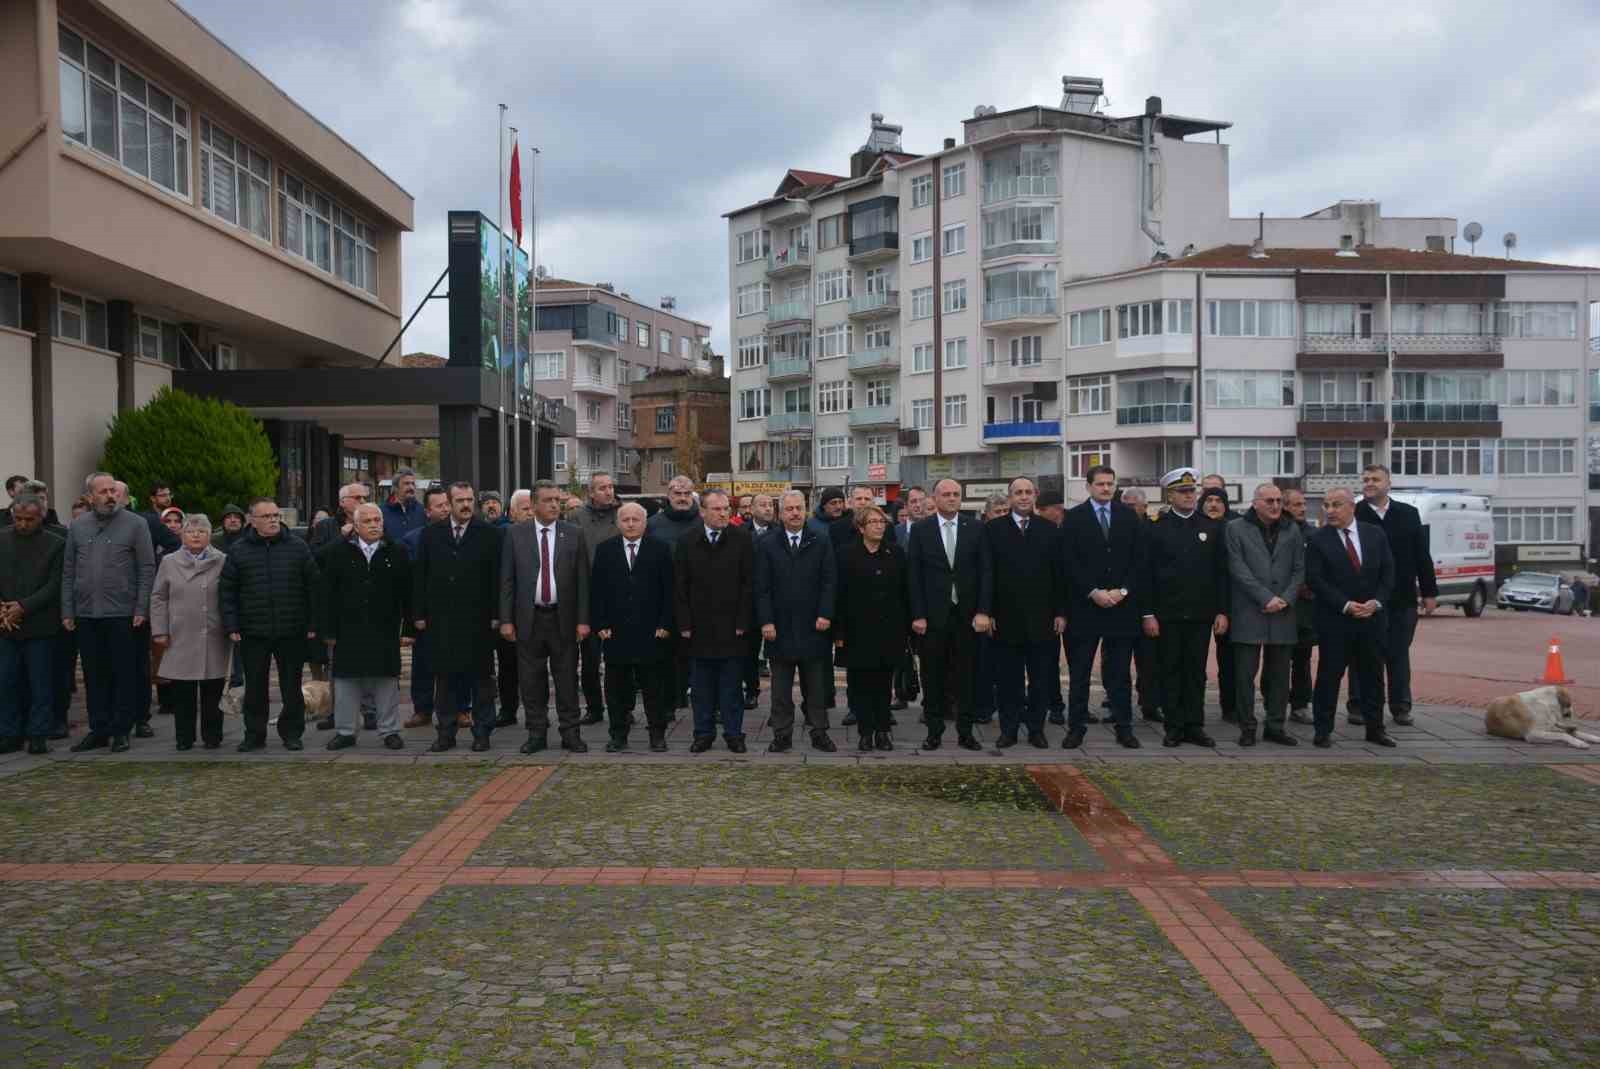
{"points": [[1256, 576]]}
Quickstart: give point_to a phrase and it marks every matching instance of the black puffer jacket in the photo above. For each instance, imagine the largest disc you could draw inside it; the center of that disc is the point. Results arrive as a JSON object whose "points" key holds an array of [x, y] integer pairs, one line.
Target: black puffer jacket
{"points": [[268, 587]]}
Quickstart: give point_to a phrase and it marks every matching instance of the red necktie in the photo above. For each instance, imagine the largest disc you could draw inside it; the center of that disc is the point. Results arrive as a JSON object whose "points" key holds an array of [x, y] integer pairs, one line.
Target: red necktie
{"points": [[1350, 551], [544, 566]]}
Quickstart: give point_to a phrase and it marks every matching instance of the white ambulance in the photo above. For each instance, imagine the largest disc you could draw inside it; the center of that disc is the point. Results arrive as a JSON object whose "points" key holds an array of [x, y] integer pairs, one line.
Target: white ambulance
{"points": [[1461, 536]]}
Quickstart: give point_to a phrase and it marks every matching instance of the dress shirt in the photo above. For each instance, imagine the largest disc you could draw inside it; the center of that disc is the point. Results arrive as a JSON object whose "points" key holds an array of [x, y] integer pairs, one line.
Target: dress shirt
{"points": [[713, 535], [794, 538], [1021, 521], [543, 531], [1382, 512], [633, 553], [367, 548], [1355, 540]]}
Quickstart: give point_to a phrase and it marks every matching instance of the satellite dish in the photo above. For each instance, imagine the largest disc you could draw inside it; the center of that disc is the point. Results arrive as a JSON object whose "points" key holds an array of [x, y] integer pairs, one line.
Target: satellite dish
{"points": [[1510, 242], [1472, 233]]}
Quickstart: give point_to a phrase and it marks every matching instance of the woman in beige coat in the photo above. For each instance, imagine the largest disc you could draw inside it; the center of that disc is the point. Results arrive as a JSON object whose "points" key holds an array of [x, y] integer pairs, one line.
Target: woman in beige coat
{"points": [[186, 625]]}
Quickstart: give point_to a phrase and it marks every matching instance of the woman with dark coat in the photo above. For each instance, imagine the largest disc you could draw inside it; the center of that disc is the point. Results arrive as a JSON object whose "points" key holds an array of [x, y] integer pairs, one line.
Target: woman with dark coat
{"points": [[1214, 504], [872, 620]]}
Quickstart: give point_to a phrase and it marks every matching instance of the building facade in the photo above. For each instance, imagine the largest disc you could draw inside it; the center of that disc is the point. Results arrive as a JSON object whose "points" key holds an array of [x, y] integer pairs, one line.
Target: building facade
{"points": [[680, 425], [591, 347], [165, 208]]}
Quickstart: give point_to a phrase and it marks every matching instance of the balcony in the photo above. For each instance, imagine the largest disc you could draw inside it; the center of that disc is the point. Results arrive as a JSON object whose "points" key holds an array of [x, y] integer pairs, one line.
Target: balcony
{"points": [[604, 428], [1144, 415], [1019, 248], [1027, 185], [874, 416], [797, 473], [1007, 374], [1344, 343], [1342, 412], [787, 312], [1020, 312], [781, 263], [1445, 411], [869, 305], [584, 382], [875, 247], [875, 362], [1022, 432], [1445, 343], [887, 472], [788, 212], [781, 424], [788, 368], [1594, 412]]}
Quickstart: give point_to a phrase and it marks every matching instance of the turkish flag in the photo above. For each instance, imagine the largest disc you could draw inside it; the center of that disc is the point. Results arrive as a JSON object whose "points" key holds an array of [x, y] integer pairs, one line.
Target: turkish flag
{"points": [[516, 192]]}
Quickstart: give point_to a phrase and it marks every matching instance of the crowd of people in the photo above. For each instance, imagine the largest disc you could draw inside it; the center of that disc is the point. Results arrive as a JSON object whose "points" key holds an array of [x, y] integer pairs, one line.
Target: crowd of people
{"points": [[505, 603]]}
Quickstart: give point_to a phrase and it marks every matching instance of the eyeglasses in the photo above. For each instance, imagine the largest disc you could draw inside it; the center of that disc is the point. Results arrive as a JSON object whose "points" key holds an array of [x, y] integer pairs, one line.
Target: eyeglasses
{"points": [[269, 517]]}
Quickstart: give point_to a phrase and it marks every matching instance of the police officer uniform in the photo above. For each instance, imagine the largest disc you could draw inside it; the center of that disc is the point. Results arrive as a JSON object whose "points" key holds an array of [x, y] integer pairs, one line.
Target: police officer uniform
{"points": [[1188, 585]]}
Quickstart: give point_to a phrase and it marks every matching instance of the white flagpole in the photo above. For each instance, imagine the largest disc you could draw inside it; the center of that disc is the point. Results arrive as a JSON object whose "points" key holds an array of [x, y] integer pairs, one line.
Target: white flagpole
{"points": [[500, 312], [533, 278], [516, 348]]}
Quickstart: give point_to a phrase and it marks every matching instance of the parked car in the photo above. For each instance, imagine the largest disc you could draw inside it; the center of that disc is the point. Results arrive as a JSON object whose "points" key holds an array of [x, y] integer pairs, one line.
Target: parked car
{"points": [[1536, 592]]}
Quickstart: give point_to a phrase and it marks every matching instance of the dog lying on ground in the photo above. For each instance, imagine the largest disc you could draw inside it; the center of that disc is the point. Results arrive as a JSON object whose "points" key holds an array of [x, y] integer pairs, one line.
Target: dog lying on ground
{"points": [[318, 695], [1541, 715]]}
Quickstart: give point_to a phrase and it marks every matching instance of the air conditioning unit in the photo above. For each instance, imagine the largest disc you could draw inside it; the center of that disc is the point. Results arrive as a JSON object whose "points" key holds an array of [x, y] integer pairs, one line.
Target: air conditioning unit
{"points": [[908, 436]]}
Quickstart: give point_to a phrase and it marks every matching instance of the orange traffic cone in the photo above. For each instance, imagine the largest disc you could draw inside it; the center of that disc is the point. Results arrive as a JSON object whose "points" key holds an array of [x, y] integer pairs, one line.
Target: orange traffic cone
{"points": [[1554, 671]]}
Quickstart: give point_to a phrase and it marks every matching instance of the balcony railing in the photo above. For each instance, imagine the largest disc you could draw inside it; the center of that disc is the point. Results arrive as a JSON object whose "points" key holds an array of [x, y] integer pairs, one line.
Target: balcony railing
{"points": [[783, 368], [872, 304], [1342, 412], [1445, 343], [1026, 430], [875, 361], [788, 312], [602, 428], [1594, 412], [583, 382], [1344, 343], [789, 423], [795, 473], [875, 416], [1019, 308], [1027, 185], [1140, 415], [1019, 248], [1445, 411], [794, 259], [887, 471], [884, 245], [1002, 374]]}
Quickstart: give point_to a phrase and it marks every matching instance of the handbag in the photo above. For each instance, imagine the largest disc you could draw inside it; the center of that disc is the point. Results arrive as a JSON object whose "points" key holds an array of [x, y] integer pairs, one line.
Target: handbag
{"points": [[232, 702]]}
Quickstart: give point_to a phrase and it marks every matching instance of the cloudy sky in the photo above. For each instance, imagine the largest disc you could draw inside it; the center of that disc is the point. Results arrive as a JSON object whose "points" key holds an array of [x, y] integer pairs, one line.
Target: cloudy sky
{"points": [[654, 119]]}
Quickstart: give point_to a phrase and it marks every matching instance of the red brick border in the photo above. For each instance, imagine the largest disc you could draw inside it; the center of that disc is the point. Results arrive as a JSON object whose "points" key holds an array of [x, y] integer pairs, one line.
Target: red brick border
{"points": [[1586, 773]]}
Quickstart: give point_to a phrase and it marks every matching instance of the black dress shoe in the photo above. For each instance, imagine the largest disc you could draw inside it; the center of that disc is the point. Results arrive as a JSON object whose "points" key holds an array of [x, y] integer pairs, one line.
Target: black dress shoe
{"points": [[1074, 739], [1127, 739], [614, 745], [1247, 736], [1404, 720], [394, 742], [1090, 718], [1322, 742], [534, 743], [1058, 717], [702, 743], [1355, 720], [120, 744], [143, 731], [37, 745], [735, 743], [293, 744], [1380, 739], [968, 742], [442, 743], [932, 742], [1280, 736], [325, 724], [369, 721], [884, 741], [572, 742], [1006, 740], [480, 744], [821, 742], [1037, 740], [341, 742], [780, 744], [90, 741], [1171, 739], [211, 744], [1197, 735], [506, 720], [849, 720], [658, 742], [892, 721], [864, 743]]}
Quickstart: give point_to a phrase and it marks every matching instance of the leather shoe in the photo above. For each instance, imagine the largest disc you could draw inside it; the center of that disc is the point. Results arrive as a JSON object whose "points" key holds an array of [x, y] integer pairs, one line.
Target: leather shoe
{"points": [[1247, 736], [90, 741], [592, 717], [702, 743], [1057, 717], [534, 743], [325, 724], [212, 744], [1404, 720], [119, 744], [293, 744], [932, 742], [968, 742], [865, 744], [442, 743], [884, 741], [1127, 739], [572, 742], [1355, 720], [1379, 738], [341, 742], [249, 745], [1171, 739], [658, 742], [480, 743], [37, 745], [506, 720], [780, 744], [1006, 740], [1037, 740], [1073, 740], [1301, 716], [1280, 736], [394, 742], [820, 741], [1197, 735], [418, 720], [144, 731], [1322, 742]]}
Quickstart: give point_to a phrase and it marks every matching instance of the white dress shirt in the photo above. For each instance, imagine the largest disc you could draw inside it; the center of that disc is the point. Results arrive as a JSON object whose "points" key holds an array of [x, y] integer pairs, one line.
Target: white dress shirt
{"points": [[1355, 540], [367, 548]]}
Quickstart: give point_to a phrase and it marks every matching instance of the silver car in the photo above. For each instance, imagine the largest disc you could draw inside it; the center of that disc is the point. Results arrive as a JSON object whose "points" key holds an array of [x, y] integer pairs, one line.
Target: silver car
{"points": [[1536, 592]]}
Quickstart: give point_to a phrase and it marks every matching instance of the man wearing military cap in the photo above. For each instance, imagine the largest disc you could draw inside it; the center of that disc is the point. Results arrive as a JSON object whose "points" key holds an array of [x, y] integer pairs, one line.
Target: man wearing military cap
{"points": [[1188, 603]]}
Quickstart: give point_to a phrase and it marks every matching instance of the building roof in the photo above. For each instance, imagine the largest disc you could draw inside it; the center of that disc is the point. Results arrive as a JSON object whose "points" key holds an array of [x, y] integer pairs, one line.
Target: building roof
{"points": [[1366, 259], [808, 178]]}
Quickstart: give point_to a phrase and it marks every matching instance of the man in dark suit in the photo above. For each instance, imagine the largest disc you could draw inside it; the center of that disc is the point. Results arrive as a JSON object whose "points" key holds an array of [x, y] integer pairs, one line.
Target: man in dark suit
{"points": [[795, 584], [1413, 570], [630, 609], [842, 531], [454, 602], [1019, 601], [1351, 573], [944, 556], [544, 609], [714, 580], [761, 519], [1103, 559]]}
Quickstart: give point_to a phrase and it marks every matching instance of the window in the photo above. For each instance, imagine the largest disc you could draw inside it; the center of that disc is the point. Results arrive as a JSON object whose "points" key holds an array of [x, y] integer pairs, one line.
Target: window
{"points": [[832, 232], [108, 107], [1089, 328], [550, 365], [665, 339], [955, 410], [1027, 350], [752, 298], [795, 399], [921, 248], [1536, 319], [683, 347], [1027, 170], [1259, 319], [792, 345], [877, 280], [955, 180], [305, 221], [880, 449], [878, 338], [833, 286], [1441, 456], [1538, 456], [1540, 389], [624, 416], [753, 456], [1438, 318], [1019, 291], [81, 319], [1081, 456], [921, 358], [1534, 523], [955, 239], [1340, 387], [835, 395], [955, 354], [1018, 225], [669, 469], [835, 451], [752, 351], [955, 296], [1250, 456], [311, 225], [1337, 457], [921, 190], [158, 340], [591, 412], [234, 180], [1026, 409], [922, 303], [752, 245], [623, 327], [1339, 319], [559, 453], [667, 419], [1155, 317], [922, 414], [1088, 395], [1249, 389], [754, 403], [10, 300], [835, 341], [880, 393]]}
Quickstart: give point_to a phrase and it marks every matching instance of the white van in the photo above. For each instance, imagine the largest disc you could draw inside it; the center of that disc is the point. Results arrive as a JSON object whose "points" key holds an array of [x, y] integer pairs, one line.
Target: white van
{"points": [[1461, 537]]}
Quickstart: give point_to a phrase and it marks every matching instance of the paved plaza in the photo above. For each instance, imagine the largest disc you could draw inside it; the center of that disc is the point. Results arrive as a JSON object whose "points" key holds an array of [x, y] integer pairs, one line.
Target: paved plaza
{"points": [[1436, 905]]}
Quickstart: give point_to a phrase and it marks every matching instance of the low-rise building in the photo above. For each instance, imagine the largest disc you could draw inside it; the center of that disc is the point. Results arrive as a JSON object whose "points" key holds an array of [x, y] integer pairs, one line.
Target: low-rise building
{"points": [[680, 426]]}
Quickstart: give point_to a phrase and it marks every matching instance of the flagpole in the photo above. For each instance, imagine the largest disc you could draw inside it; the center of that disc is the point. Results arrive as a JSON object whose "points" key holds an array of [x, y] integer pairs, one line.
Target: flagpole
{"points": [[533, 277], [500, 312], [516, 343]]}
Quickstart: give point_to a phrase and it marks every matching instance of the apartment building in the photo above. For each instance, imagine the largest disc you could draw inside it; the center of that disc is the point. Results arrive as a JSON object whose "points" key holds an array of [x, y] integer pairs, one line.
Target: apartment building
{"points": [[903, 322], [1304, 365], [591, 346], [165, 209], [680, 425]]}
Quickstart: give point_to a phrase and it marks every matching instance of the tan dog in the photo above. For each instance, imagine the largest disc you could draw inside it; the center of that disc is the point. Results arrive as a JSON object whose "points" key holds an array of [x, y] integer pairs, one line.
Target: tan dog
{"points": [[1541, 715], [318, 695]]}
